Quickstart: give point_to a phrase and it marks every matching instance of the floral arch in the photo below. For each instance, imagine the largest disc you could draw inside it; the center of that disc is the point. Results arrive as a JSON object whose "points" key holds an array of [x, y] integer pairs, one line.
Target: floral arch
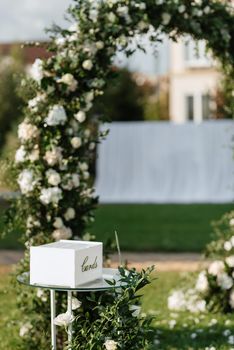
{"points": [[57, 137]]}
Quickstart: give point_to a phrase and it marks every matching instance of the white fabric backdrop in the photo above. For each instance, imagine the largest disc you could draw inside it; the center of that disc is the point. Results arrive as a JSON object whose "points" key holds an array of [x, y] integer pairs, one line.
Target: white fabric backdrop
{"points": [[161, 162]]}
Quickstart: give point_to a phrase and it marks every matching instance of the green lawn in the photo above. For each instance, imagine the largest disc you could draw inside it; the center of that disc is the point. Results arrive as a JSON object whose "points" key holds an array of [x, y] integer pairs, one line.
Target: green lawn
{"points": [[150, 227], [155, 299]]}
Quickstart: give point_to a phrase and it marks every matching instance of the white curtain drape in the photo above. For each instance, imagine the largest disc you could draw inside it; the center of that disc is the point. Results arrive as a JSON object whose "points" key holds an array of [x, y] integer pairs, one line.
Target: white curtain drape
{"points": [[161, 162]]}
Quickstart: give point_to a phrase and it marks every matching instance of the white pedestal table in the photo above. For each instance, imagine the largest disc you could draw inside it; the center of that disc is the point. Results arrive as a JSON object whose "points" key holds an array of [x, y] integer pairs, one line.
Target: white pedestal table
{"points": [[94, 286]]}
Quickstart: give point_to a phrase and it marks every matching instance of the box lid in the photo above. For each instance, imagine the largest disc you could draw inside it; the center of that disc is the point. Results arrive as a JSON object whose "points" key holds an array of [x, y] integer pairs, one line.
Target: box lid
{"points": [[70, 244]]}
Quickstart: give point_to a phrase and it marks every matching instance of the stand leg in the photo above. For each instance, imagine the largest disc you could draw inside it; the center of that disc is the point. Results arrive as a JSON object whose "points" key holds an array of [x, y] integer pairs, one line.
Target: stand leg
{"points": [[53, 315], [69, 310]]}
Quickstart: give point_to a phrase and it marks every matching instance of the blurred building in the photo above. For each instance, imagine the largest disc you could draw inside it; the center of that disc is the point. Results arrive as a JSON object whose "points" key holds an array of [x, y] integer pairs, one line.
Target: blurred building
{"points": [[193, 81]]}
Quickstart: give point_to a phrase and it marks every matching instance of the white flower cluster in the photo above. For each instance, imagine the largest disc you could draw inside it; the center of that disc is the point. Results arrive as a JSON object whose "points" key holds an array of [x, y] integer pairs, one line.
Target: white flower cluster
{"points": [[57, 116], [50, 195], [110, 344], [27, 181], [186, 301], [27, 131], [36, 70], [229, 245]]}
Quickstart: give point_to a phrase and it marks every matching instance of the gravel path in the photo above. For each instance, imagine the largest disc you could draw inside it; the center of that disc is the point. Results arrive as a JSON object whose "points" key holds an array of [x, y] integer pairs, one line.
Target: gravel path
{"points": [[162, 261]]}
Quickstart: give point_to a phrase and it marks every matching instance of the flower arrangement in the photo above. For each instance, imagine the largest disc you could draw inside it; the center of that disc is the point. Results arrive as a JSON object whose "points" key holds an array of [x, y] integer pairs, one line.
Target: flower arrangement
{"points": [[59, 133], [214, 287]]}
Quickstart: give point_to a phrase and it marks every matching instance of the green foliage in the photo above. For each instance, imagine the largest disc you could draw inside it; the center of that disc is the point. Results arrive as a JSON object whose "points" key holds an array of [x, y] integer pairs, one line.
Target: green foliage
{"points": [[121, 100], [11, 104]]}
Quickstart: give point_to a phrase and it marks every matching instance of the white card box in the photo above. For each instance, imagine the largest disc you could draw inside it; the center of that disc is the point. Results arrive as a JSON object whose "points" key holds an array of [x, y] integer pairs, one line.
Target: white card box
{"points": [[66, 263]]}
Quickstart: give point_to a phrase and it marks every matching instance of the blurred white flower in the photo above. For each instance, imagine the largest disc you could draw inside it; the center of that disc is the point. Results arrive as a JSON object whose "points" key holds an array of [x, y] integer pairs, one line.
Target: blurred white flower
{"points": [[64, 319], [20, 155], [60, 41], [99, 45], [58, 222], [111, 17], [62, 233], [166, 17], [110, 344], [225, 281], [76, 304], [41, 294], [75, 180], [232, 240], [27, 181], [56, 116], [70, 214], [135, 309], [34, 154], [80, 116], [53, 177], [227, 246], [176, 301], [83, 166], [231, 340], [24, 329], [53, 156], [122, 11], [27, 131], [231, 299], [76, 142], [230, 261], [202, 284], [87, 65], [36, 70], [227, 332], [172, 324], [51, 195], [231, 222], [69, 80], [216, 268], [193, 335]]}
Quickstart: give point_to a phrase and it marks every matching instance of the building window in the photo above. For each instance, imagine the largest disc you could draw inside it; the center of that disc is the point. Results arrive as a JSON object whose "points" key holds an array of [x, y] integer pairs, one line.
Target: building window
{"points": [[206, 110], [190, 107], [195, 54]]}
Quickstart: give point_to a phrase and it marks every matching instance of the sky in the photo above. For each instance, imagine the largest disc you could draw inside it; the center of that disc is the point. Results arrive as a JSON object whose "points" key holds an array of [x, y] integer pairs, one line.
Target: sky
{"points": [[24, 20]]}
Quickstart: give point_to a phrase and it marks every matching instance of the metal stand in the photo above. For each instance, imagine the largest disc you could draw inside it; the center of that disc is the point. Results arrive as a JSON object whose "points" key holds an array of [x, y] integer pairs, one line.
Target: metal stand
{"points": [[53, 315]]}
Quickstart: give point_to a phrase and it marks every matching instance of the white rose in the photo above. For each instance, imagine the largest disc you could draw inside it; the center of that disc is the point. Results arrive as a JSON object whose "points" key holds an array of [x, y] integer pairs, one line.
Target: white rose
{"points": [[122, 11], [53, 177], [58, 222], [76, 142], [54, 156], [166, 17], [202, 284], [32, 104], [26, 181], [24, 329], [63, 320], [231, 300], [99, 45], [41, 295], [62, 233], [89, 96], [80, 116], [232, 240], [36, 70], [216, 268], [75, 180], [176, 301], [27, 131], [76, 304], [111, 17], [70, 214], [230, 261], [136, 310], [225, 281], [69, 80], [227, 246], [57, 116], [34, 155], [60, 41], [86, 175], [83, 166], [231, 222], [87, 64], [110, 344], [20, 155], [50, 195], [93, 15]]}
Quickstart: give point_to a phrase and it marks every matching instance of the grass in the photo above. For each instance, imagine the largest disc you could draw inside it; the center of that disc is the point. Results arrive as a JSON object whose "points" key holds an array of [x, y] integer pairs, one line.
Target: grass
{"points": [[149, 227], [208, 332]]}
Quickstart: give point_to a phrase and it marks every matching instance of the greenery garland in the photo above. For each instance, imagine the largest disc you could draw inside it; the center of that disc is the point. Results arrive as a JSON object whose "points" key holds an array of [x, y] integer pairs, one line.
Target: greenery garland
{"points": [[59, 133]]}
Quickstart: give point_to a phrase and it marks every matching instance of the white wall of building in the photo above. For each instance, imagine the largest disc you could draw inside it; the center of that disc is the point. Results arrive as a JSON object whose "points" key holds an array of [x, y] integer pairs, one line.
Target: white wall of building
{"points": [[190, 77]]}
